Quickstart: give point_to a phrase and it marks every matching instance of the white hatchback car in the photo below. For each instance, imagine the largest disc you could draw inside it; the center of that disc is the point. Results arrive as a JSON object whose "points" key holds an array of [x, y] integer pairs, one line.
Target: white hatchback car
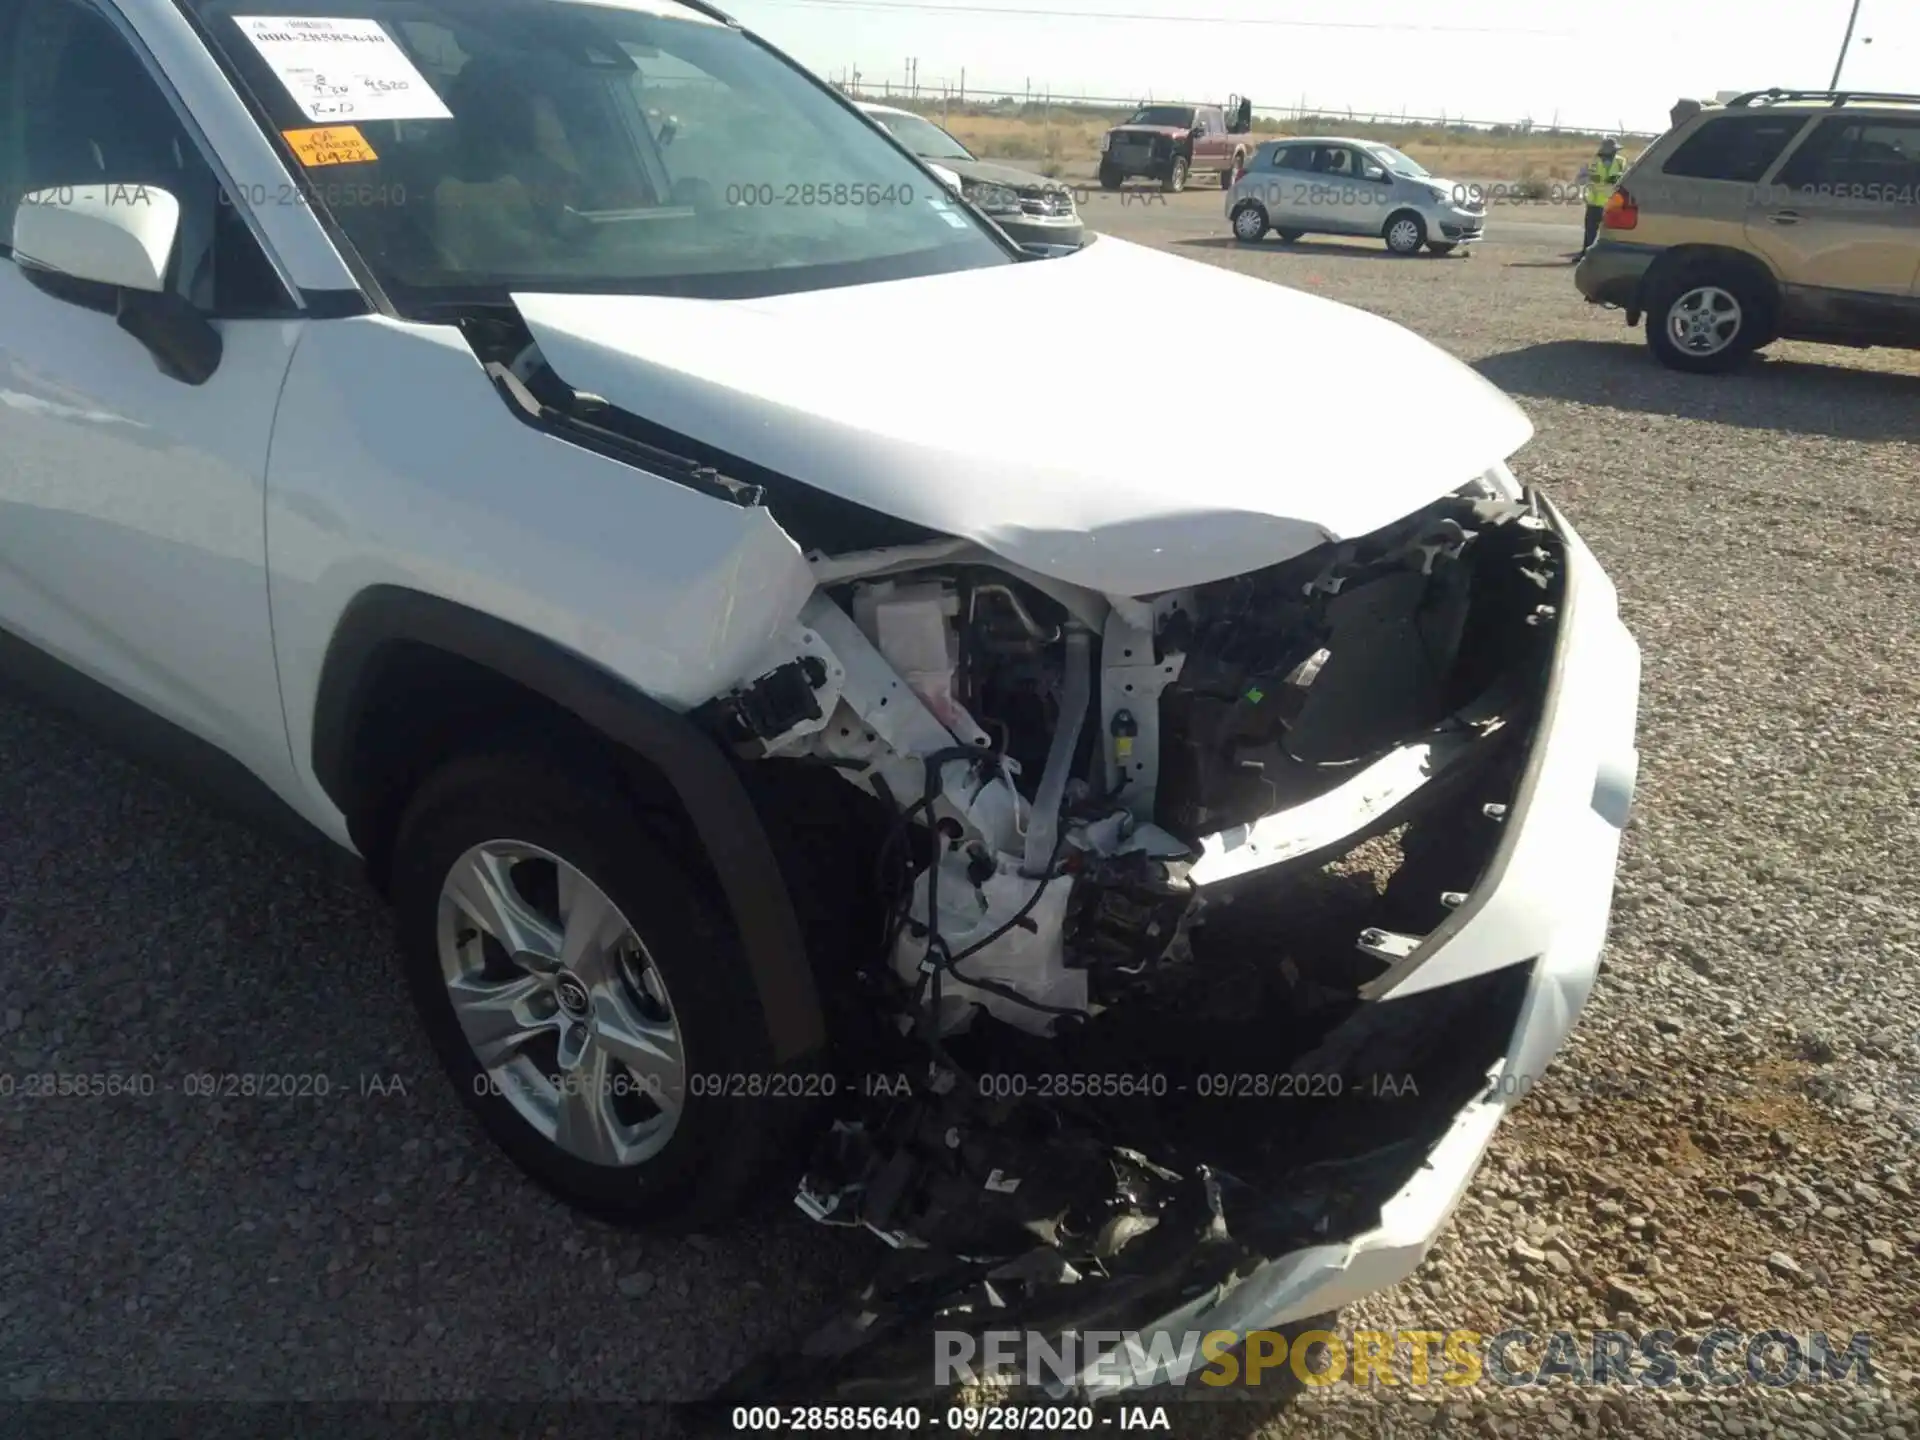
{"points": [[561, 455], [1306, 185]]}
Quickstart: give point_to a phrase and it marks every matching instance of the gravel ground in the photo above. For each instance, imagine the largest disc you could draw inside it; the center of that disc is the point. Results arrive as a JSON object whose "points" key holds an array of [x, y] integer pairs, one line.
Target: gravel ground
{"points": [[1730, 1138]]}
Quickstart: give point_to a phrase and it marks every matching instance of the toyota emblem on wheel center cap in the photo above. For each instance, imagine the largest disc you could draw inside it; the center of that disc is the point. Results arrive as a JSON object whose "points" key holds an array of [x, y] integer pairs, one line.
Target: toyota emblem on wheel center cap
{"points": [[572, 994]]}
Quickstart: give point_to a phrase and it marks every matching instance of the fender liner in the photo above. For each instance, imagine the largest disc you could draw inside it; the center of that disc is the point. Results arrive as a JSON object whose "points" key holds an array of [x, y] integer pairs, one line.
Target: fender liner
{"points": [[700, 773]]}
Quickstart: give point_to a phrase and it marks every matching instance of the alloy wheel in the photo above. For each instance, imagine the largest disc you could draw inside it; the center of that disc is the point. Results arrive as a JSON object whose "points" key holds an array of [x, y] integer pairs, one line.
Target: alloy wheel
{"points": [[1704, 320], [565, 1011], [1403, 237]]}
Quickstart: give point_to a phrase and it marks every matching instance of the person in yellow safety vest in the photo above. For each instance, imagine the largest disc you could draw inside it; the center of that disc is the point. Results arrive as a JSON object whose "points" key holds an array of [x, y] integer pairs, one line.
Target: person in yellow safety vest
{"points": [[1601, 176]]}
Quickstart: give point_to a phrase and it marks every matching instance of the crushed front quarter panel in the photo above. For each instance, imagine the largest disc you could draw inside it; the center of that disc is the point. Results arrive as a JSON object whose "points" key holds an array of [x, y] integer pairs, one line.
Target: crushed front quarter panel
{"points": [[1547, 901], [1478, 1010]]}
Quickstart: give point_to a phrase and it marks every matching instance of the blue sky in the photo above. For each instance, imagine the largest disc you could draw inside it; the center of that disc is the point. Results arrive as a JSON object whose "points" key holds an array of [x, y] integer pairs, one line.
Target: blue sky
{"points": [[1609, 63]]}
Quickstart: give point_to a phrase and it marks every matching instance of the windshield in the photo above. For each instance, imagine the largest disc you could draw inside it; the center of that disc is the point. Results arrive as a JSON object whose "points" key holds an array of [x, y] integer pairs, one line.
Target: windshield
{"points": [[1398, 163], [923, 137], [1178, 117], [607, 146]]}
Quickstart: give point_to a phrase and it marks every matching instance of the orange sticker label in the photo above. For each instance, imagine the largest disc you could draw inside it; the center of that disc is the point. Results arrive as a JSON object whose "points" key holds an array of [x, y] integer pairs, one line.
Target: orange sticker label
{"points": [[330, 145]]}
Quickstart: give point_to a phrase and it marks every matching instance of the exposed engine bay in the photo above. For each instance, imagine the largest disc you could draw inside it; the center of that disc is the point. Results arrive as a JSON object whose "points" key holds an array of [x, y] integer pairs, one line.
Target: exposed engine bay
{"points": [[1107, 893], [1110, 954], [1061, 791]]}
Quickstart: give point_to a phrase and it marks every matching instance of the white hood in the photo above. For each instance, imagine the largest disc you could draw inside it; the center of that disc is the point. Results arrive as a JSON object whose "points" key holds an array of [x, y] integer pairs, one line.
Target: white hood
{"points": [[1120, 419]]}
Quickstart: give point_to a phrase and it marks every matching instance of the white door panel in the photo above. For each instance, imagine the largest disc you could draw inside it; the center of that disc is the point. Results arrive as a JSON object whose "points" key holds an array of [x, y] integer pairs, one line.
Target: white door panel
{"points": [[132, 534]]}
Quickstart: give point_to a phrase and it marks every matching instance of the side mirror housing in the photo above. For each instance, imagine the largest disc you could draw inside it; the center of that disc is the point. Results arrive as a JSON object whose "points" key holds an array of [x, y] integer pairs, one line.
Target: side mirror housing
{"points": [[118, 235], [181, 340], [117, 241]]}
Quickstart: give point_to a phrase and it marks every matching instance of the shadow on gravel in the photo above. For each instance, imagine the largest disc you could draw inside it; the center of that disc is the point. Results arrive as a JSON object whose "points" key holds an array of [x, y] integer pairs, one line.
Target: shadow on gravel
{"points": [[284, 1198], [1769, 394]]}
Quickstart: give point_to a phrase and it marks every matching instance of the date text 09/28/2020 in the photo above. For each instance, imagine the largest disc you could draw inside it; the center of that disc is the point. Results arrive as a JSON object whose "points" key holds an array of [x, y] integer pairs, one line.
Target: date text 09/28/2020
{"points": [[195, 1085], [957, 1419], [1064, 1085]]}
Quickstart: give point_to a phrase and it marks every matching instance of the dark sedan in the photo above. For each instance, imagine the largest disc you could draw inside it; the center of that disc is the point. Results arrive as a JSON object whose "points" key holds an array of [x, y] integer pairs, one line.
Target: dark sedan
{"points": [[1031, 208]]}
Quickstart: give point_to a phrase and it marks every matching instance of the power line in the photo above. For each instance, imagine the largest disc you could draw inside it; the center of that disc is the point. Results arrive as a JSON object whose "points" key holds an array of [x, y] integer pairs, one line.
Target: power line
{"points": [[1025, 11]]}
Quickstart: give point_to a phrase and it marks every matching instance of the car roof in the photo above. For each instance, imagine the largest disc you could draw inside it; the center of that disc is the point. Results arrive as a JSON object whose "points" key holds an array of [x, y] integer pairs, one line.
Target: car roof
{"points": [[1806, 102], [1325, 140], [872, 109]]}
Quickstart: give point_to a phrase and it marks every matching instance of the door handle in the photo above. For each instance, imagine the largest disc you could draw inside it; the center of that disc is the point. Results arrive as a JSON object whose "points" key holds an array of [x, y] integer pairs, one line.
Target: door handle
{"points": [[1785, 217]]}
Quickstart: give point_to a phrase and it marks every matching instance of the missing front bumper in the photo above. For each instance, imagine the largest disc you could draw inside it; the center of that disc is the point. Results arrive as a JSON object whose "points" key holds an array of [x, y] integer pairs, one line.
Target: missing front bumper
{"points": [[1350, 1155]]}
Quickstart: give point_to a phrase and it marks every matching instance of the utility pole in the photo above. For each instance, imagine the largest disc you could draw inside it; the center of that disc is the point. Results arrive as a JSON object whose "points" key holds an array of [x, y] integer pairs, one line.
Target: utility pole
{"points": [[963, 85], [1852, 16]]}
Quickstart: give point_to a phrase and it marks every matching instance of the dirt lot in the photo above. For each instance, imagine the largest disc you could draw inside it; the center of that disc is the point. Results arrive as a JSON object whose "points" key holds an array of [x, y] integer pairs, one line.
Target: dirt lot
{"points": [[1066, 142], [1730, 1139]]}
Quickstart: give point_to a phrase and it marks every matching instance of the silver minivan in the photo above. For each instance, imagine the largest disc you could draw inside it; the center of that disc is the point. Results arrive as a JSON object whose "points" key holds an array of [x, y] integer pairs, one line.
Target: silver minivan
{"points": [[1306, 184]]}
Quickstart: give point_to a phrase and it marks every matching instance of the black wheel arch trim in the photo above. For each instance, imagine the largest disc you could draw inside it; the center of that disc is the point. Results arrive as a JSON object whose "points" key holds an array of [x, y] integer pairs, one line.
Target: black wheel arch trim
{"points": [[700, 773], [1682, 257]]}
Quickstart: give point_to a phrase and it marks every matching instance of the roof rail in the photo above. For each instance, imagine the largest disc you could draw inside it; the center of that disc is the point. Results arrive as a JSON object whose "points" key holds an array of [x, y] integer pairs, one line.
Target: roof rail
{"points": [[1837, 97]]}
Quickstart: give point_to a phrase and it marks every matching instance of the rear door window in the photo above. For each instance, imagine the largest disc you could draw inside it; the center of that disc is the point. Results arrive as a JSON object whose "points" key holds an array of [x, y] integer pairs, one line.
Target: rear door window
{"points": [[1734, 147], [1858, 156]]}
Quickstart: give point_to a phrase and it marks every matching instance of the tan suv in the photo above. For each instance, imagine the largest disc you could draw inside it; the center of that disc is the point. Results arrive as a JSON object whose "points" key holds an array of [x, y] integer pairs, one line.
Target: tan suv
{"points": [[1788, 214]]}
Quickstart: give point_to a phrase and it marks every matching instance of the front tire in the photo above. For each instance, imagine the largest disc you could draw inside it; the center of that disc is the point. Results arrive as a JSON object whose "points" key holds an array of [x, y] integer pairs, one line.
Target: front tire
{"points": [[1110, 178], [1405, 232], [1706, 323], [1249, 222], [1440, 247], [1176, 180], [571, 971], [1287, 237]]}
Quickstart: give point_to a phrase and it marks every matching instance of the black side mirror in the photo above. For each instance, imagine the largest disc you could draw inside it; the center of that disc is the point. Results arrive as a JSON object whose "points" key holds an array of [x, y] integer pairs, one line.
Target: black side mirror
{"points": [[181, 340]]}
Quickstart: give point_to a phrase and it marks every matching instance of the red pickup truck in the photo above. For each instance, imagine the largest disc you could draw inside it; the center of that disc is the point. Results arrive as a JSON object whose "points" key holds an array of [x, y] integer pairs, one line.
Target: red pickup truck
{"points": [[1169, 142]]}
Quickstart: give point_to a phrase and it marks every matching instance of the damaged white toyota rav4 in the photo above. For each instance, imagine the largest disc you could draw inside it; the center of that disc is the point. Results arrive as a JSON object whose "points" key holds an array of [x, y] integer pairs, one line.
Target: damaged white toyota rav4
{"points": [[1127, 873]]}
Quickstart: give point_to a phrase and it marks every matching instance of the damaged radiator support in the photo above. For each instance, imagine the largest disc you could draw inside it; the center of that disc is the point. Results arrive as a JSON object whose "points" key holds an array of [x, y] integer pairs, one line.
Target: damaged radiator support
{"points": [[1079, 936], [1076, 696]]}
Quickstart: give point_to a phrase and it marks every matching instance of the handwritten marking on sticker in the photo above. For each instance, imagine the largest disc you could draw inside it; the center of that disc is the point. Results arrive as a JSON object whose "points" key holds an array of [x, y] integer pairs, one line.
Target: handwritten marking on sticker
{"points": [[330, 145], [342, 71]]}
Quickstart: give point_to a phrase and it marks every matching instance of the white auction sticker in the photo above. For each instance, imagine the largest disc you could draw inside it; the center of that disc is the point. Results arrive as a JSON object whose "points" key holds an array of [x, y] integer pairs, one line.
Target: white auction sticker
{"points": [[342, 71]]}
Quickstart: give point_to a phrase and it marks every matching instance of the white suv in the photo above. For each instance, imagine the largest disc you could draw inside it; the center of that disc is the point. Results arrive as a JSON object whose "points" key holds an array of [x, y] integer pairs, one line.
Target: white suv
{"points": [[479, 435]]}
